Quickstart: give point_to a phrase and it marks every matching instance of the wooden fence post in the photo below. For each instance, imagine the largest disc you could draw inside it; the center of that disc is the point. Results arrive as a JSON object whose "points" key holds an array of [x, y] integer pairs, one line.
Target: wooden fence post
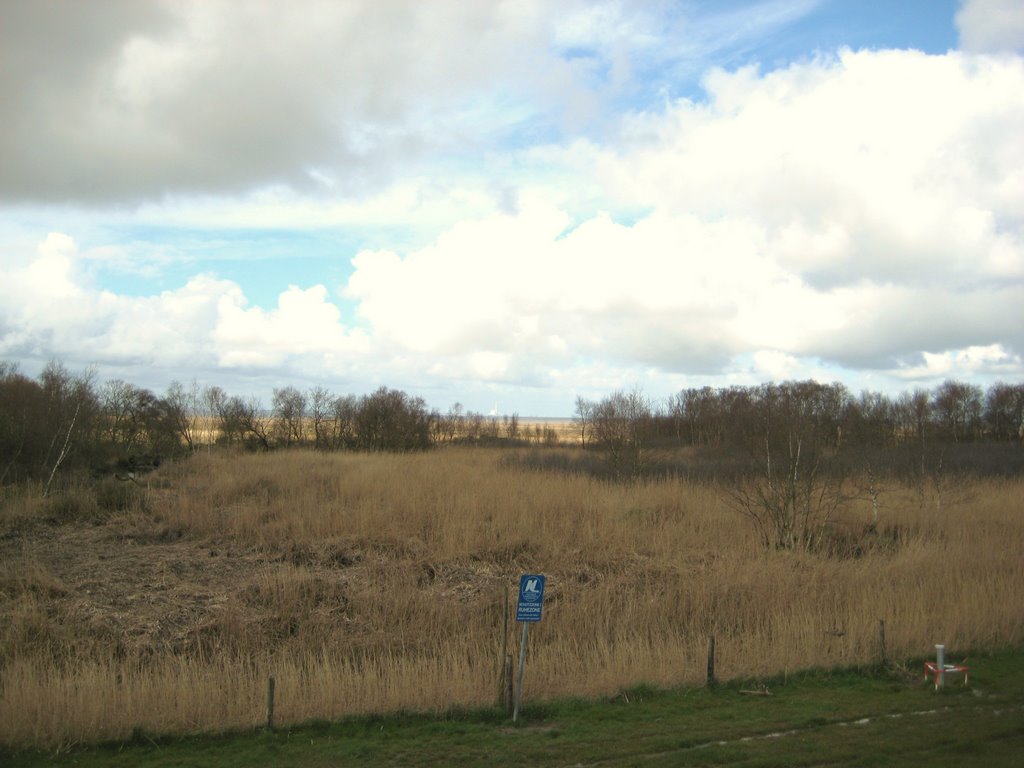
{"points": [[711, 661], [881, 642], [504, 673], [270, 703], [507, 694]]}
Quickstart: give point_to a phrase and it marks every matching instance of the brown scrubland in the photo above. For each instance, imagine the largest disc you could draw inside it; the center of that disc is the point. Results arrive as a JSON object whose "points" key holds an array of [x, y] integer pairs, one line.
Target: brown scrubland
{"points": [[376, 582]]}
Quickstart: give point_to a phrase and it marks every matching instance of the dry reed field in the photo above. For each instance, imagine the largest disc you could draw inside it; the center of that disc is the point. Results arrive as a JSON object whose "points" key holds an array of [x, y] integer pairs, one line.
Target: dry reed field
{"points": [[376, 583]]}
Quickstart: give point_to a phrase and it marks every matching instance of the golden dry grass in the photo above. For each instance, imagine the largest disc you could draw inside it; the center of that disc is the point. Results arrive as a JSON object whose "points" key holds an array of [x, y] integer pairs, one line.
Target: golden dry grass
{"points": [[373, 583]]}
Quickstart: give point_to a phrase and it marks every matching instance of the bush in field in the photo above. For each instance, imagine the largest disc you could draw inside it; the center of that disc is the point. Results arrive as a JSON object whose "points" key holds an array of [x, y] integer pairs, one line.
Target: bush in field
{"points": [[958, 409], [1004, 411], [289, 415], [391, 420], [47, 424], [135, 421], [73, 506], [620, 425], [114, 495], [794, 492]]}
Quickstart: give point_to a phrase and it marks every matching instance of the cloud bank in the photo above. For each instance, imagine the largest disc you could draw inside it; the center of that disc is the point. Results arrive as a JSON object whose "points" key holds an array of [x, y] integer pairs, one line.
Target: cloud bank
{"points": [[990, 26], [858, 210], [857, 214]]}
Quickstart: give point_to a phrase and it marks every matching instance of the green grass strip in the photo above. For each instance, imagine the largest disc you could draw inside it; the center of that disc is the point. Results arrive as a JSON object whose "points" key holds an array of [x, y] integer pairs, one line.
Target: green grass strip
{"points": [[841, 718]]}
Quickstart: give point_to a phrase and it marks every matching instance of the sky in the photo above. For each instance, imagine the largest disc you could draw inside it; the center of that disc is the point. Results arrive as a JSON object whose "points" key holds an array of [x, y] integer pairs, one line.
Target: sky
{"points": [[510, 204]]}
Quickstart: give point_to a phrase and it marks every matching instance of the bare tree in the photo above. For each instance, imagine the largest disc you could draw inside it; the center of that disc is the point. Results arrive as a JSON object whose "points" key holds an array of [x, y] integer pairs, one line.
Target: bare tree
{"points": [[475, 428], [19, 403], [491, 429], [73, 401], [343, 421], [183, 412], [449, 426], [1004, 411], [46, 424], [620, 425], [216, 399], [793, 494], [583, 415], [320, 403], [256, 422], [872, 420], [238, 419], [549, 435], [124, 410], [675, 409], [958, 409], [913, 411], [289, 412], [699, 412]]}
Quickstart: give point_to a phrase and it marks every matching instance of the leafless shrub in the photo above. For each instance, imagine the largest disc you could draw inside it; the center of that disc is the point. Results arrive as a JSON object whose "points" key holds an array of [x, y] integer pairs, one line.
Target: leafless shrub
{"points": [[792, 501]]}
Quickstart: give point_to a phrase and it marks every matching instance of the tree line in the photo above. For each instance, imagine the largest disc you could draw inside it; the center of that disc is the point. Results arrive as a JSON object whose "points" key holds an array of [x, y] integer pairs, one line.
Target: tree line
{"points": [[64, 421], [788, 455], [60, 420], [707, 417]]}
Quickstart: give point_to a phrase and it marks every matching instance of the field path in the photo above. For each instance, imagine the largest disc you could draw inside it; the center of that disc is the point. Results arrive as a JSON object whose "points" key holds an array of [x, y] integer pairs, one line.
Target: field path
{"points": [[868, 728]]}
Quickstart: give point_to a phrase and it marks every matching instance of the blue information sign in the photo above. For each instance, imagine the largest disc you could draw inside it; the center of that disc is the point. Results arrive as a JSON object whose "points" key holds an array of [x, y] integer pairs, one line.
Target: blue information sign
{"points": [[531, 597]]}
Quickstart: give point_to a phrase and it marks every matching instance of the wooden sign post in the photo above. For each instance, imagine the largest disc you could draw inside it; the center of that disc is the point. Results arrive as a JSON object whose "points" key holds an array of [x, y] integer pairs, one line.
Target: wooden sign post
{"points": [[528, 610]]}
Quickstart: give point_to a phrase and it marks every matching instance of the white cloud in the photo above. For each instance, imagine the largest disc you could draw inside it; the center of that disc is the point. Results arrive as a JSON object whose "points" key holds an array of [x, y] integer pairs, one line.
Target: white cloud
{"points": [[151, 99], [41, 298], [158, 98], [859, 209], [166, 330], [303, 326], [50, 277], [48, 308], [988, 26], [854, 137], [965, 363], [530, 285], [773, 365]]}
